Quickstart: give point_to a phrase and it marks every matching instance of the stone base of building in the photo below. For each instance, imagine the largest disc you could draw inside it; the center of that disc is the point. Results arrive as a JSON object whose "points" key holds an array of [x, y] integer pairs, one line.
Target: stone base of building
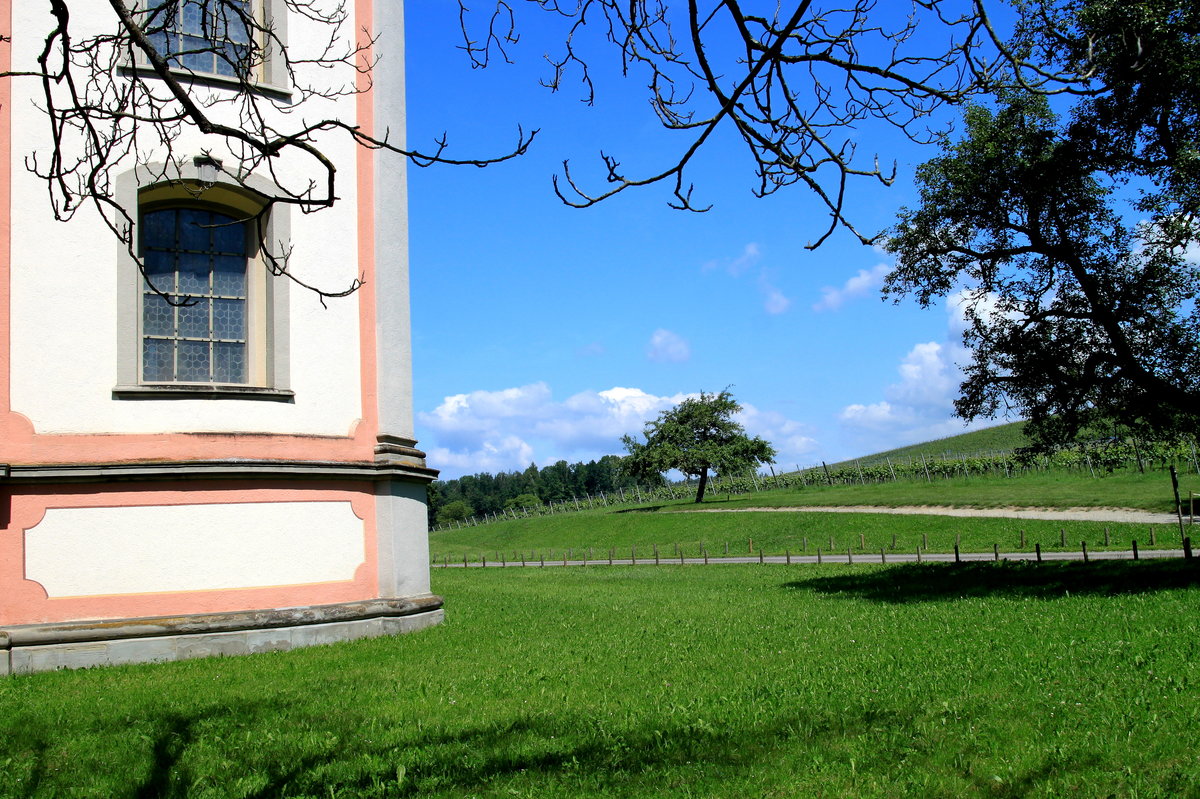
{"points": [[30, 648]]}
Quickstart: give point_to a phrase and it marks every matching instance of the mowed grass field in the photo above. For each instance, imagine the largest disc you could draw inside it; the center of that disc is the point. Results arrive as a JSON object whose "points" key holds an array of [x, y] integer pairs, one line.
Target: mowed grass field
{"points": [[667, 525], [934, 680]]}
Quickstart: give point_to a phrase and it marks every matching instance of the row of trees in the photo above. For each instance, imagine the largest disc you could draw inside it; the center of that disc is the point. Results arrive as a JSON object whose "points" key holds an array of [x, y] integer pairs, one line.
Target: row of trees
{"points": [[479, 494]]}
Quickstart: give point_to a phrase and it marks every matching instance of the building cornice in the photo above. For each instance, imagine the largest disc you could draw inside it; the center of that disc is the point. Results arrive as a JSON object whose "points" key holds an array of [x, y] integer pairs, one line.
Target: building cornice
{"points": [[226, 469]]}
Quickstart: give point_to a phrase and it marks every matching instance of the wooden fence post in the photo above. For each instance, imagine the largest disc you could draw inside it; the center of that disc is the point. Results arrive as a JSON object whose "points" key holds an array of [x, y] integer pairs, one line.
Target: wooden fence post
{"points": [[1038, 548]]}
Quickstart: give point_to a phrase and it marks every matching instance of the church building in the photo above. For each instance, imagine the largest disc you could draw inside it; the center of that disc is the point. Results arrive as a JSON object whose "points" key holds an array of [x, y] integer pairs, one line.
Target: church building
{"points": [[200, 455]]}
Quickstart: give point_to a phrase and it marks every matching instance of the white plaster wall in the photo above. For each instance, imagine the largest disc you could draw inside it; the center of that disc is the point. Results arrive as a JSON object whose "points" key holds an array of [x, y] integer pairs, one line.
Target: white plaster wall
{"points": [[103, 551], [64, 285]]}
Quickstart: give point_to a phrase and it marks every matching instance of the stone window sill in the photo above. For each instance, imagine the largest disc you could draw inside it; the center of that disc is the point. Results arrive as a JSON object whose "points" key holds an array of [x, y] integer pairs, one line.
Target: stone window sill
{"points": [[160, 391]]}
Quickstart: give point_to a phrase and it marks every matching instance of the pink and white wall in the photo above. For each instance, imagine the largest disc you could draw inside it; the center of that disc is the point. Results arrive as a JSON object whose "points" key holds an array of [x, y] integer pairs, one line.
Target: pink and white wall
{"points": [[143, 523]]}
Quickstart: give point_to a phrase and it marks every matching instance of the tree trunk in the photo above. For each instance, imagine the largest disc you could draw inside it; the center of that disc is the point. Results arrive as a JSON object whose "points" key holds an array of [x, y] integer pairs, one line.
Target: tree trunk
{"points": [[703, 484]]}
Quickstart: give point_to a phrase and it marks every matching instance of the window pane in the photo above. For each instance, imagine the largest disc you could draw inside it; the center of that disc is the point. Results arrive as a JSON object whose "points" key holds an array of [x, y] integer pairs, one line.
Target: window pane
{"points": [[193, 273], [160, 270], [196, 55], [158, 229], [193, 361], [194, 229], [157, 355], [229, 276], [229, 362], [193, 319], [229, 319], [228, 235], [193, 18], [158, 317]]}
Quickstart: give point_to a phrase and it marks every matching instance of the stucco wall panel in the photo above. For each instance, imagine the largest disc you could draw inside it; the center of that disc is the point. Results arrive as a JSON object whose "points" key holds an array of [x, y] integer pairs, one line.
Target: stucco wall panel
{"points": [[98, 551], [287, 561]]}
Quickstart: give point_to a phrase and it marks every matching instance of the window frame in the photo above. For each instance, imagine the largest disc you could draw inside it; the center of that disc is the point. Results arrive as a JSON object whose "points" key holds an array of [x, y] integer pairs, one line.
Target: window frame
{"points": [[267, 349]]}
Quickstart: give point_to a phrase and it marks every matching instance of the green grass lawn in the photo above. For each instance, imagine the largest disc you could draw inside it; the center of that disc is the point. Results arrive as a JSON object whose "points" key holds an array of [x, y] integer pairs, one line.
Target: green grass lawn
{"points": [[593, 535], [918, 681]]}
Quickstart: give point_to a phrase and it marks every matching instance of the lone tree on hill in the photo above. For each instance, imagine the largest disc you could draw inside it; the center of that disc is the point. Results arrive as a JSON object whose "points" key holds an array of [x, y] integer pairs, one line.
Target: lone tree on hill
{"points": [[695, 436]]}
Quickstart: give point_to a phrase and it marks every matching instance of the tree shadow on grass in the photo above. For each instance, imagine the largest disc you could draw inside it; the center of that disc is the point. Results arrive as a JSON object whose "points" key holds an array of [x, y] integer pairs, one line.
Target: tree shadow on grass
{"points": [[642, 509], [921, 582], [584, 756], [562, 752]]}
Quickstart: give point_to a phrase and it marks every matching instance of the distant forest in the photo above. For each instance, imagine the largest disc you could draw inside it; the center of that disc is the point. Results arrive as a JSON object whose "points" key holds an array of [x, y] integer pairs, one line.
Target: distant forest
{"points": [[478, 494]]}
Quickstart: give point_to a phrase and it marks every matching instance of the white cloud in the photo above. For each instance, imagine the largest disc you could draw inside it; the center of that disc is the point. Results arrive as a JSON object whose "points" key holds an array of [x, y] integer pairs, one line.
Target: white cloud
{"points": [[667, 347], [793, 445], [749, 257], [774, 300], [865, 282], [776, 303], [920, 405], [506, 430]]}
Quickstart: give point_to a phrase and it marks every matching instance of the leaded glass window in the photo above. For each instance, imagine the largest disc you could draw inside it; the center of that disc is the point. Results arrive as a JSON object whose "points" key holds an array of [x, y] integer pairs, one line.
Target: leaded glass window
{"points": [[197, 259], [207, 36]]}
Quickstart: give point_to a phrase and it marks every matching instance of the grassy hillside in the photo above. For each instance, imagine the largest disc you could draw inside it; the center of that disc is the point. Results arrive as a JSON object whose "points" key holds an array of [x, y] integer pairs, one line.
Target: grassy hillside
{"points": [[999, 439], [667, 525]]}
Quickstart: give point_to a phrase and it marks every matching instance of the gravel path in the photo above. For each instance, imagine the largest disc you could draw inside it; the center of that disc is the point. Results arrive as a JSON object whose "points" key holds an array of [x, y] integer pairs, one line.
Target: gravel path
{"points": [[1069, 514]]}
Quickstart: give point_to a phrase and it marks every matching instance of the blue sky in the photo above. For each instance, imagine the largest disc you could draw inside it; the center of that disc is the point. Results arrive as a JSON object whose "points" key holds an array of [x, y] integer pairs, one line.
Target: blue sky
{"points": [[542, 332]]}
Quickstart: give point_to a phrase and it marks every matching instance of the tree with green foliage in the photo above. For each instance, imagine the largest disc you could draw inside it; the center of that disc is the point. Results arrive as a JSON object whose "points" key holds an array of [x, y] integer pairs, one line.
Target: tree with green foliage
{"points": [[1072, 238], [696, 436], [456, 511], [522, 501]]}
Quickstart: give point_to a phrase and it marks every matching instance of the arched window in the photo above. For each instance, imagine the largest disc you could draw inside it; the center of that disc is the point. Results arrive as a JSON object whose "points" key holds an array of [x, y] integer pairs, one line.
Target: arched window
{"points": [[194, 303], [199, 313]]}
